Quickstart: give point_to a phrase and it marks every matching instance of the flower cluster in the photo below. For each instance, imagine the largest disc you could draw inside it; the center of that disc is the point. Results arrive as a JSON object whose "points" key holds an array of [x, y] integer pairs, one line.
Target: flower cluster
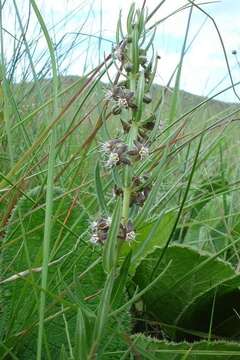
{"points": [[140, 151], [120, 53], [117, 152], [121, 97], [140, 190], [131, 91], [127, 232], [100, 230]]}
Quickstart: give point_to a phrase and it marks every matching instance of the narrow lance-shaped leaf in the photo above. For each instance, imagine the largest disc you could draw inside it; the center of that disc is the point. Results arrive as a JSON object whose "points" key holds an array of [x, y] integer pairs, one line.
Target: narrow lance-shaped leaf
{"points": [[154, 349], [121, 280], [81, 348], [130, 18], [140, 95], [99, 191], [111, 246], [103, 311], [135, 50], [151, 40], [119, 31]]}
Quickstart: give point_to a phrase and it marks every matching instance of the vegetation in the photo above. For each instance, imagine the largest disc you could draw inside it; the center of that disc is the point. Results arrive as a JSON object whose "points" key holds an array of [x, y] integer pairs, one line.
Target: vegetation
{"points": [[119, 207]]}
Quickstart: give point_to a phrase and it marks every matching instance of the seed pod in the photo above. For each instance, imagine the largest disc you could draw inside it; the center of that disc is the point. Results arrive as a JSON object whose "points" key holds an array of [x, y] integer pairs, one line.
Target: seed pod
{"points": [[128, 67], [122, 232], [102, 235], [126, 127], [136, 181], [132, 105], [147, 99], [139, 198], [133, 152], [128, 94], [149, 125], [142, 52], [116, 110], [142, 135], [117, 191], [146, 191], [120, 148], [142, 60], [124, 160], [148, 71]]}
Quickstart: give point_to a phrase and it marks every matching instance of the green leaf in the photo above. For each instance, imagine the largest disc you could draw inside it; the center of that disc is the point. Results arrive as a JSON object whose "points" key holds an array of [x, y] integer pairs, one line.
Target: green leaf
{"points": [[183, 297], [139, 96], [150, 236], [119, 31], [130, 18], [151, 39], [22, 252], [206, 192], [103, 311], [141, 20], [99, 191], [154, 350], [121, 280], [81, 348]]}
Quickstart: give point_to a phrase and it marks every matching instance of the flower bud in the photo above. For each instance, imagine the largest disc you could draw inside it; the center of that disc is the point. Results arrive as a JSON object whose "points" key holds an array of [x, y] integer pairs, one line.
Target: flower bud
{"points": [[147, 99], [142, 52], [116, 110], [128, 67], [142, 60]]}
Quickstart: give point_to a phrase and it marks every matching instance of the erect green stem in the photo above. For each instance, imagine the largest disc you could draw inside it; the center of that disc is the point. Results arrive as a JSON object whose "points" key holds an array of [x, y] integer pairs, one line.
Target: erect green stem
{"points": [[127, 189], [126, 204]]}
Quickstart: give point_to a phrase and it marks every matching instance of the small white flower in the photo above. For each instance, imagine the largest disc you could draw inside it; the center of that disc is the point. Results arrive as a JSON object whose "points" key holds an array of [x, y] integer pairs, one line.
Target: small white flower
{"points": [[131, 236], [144, 152], [109, 220], [94, 225], [106, 147], [94, 239], [108, 95], [122, 102], [112, 160]]}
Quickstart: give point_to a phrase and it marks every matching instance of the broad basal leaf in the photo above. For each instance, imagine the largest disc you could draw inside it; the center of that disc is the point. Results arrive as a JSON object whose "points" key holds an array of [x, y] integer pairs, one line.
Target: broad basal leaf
{"points": [[153, 349], [184, 296]]}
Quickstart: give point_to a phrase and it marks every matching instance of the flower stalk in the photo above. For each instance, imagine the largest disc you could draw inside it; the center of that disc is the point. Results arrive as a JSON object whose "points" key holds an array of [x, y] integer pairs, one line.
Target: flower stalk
{"points": [[129, 99]]}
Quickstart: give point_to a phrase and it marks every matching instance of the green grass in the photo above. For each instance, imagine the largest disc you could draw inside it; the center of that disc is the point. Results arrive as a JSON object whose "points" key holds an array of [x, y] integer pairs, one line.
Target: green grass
{"points": [[161, 204]]}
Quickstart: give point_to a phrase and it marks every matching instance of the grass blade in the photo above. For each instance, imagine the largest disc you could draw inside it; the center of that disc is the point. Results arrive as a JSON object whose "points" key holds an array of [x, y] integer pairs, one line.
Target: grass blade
{"points": [[111, 246], [99, 191]]}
